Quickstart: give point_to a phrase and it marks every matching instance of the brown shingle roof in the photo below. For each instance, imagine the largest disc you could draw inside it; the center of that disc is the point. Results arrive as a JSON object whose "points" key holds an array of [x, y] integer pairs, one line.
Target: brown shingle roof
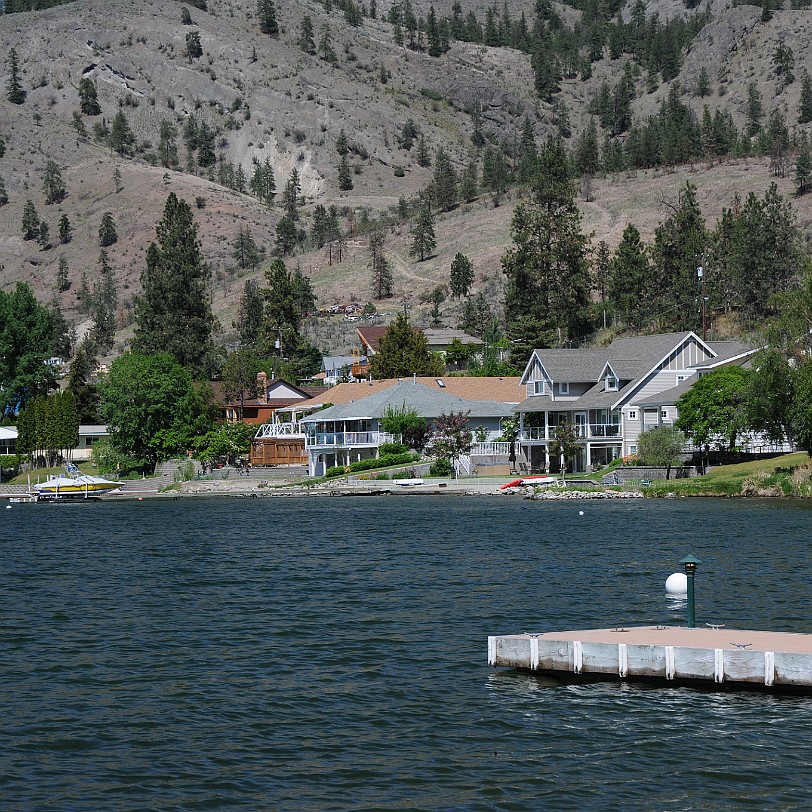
{"points": [[371, 336], [504, 390]]}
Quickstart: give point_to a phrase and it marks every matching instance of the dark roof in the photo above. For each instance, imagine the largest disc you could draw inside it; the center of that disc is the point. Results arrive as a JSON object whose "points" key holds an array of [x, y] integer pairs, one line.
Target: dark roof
{"points": [[371, 336]]}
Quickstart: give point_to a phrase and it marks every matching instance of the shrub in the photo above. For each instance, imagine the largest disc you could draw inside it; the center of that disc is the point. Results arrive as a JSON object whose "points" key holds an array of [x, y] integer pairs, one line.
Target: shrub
{"points": [[392, 448], [441, 467], [399, 172], [384, 461], [335, 470]]}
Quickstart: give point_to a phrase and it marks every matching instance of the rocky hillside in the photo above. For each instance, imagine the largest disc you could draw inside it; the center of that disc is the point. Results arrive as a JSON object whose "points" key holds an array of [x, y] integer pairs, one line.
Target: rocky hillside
{"points": [[266, 99]]}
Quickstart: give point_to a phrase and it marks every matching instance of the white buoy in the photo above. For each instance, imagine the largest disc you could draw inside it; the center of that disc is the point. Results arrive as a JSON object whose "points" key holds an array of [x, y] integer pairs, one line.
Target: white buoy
{"points": [[8, 507], [677, 584], [580, 512]]}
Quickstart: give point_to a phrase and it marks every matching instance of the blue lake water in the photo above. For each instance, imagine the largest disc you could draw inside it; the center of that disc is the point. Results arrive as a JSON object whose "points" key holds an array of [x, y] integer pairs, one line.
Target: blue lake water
{"points": [[296, 654]]}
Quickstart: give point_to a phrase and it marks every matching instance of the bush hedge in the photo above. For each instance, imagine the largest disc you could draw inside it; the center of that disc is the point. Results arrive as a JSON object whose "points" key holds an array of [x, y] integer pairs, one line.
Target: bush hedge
{"points": [[441, 467], [384, 461], [335, 470], [392, 448]]}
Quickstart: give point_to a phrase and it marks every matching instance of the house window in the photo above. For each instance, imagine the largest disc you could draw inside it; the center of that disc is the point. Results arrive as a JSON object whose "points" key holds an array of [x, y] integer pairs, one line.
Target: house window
{"points": [[538, 387], [611, 383], [632, 449], [663, 414], [632, 414], [563, 389], [681, 377]]}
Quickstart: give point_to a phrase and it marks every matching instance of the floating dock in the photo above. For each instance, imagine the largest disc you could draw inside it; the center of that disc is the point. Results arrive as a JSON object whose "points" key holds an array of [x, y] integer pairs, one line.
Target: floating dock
{"points": [[711, 657]]}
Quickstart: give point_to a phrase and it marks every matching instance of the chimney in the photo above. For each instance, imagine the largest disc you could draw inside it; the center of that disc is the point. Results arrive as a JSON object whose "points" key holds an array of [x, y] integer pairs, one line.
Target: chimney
{"points": [[262, 389]]}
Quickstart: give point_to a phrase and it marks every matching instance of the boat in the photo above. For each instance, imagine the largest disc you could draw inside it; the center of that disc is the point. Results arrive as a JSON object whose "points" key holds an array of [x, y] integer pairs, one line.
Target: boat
{"points": [[536, 479], [74, 483]]}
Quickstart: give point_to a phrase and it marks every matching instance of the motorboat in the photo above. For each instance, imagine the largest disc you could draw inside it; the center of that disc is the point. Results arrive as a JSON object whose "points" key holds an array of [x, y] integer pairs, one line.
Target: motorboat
{"points": [[74, 483], [540, 479]]}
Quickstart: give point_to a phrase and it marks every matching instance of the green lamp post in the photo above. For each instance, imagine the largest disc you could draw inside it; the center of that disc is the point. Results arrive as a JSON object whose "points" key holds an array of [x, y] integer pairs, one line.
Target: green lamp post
{"points": [[689, 563]]}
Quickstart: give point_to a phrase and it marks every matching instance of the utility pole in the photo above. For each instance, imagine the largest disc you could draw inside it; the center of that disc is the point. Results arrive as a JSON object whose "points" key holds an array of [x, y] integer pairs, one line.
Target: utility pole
{"points": [[700, 272]]}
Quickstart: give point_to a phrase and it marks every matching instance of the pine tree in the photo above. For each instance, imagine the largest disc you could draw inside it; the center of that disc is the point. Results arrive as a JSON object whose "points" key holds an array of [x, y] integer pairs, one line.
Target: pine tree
{"points": [[469, 182], [326, 50], [600, 270], [547, 296], [3, 194], [62, 279], [445, 182], [194, 47], [104, 302], [117, 180], [266, 14], [173, 313], [462, 275], [88, 97], [382, 283], [803, 170], [306, 36], [245, 251], [30, 221], [805, 104], [630, 281], [167, 145], [65, 230], [423, 239], [14, 90], [206, 155], [52, 184], [78, 124], [403, 351], [679, 244], [249, 314], [344, 174], [755, 111], [121, 138], [262, 182], [44, 236], [703, 87], [286, 234], [290, 197], [84, 392], [107, 231]]}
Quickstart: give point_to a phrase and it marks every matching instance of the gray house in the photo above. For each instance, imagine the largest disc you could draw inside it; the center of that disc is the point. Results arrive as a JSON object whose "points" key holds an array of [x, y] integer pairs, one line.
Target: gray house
{"points": [[612, 394], [352, 431]]}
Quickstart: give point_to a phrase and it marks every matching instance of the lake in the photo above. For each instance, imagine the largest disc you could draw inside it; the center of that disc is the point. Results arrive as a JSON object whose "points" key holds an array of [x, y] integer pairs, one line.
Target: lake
{"points": [[322, 653]]}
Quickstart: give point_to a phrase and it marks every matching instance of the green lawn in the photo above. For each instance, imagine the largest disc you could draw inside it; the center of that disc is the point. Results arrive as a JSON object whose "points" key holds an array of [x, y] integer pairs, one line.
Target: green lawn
{"points": [[786, 475]]}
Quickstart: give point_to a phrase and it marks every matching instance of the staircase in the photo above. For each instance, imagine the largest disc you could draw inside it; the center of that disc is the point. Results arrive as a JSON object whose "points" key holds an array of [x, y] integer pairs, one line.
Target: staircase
{"points": [[164, 476]]}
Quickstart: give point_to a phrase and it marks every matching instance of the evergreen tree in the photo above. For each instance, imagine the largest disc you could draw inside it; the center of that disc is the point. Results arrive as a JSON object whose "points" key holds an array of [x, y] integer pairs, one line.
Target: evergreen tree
{"points": [[78, 124], [30, 221], [307, 41], [469, 182], [62, 279], [326, 49], [14, 90], [679, 244], [423, 156], [121, 138], [107, 231], [3, 194], [173, 313], [444, 185], [461, 277], [194, 47], [342, 143], [103, 331], [84, 392], [755, 111], [117, 180], [630, 281], [803, 170], [44, 236], [477, 315], [167, 144], [288, 299], [52, 184], [600, 270], [423, 239], [88, 98], [245, 251], [263, 183], [547, 296], [65, 230], [249, 314], [703, 87], [266, 13], [344, 174], [286, 234], [290, 196], [382, 283], [206, 155], [805, 103], [403, 351]]}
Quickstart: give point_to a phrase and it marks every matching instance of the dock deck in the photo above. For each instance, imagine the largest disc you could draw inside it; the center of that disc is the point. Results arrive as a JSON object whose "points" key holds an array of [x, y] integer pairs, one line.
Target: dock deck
{"points": [[724, 657]]}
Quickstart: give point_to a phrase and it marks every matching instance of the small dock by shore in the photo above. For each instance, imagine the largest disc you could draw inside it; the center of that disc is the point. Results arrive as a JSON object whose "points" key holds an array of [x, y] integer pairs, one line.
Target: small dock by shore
{"points": [[716, 656]]}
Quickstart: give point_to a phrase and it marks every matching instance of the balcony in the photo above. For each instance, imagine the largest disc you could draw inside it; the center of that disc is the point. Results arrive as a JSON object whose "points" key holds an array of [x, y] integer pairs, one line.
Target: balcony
{"points": [[348, 439], [595, 431]]}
